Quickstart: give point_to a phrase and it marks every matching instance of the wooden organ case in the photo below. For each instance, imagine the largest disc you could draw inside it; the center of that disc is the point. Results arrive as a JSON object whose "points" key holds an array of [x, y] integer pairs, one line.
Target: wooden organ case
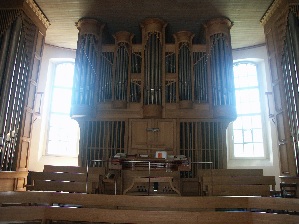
{"points": [[281, 31], [22, 33], [137, 98]]}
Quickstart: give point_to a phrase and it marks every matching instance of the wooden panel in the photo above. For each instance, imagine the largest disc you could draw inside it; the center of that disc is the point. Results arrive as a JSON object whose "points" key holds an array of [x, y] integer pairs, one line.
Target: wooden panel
{"points": [[240, 190], [231, 172], [235, 182], [47, 176], [9, 180], [68, 169], [166, 134], [179, 203], [133, 216], [129, 175], [134, 209], [22, 213], [190, 186], [7, 184], [139, 134], [239, 180], [153, 134], [79, 187], [67, 179], [291, 180]]}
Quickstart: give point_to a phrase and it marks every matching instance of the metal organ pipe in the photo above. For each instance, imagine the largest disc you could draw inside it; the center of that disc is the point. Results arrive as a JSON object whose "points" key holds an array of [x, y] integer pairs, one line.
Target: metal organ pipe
{"points": [[86, 72], [183, 41], [220, 61], [153, 31], [123, 42]]}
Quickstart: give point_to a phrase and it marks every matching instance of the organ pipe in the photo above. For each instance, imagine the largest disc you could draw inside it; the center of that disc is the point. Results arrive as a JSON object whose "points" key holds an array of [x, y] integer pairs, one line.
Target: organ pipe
{"points": [[153, 31], [200, 77], [121, 68], [220, 60], [185, 72], [86, 66]]}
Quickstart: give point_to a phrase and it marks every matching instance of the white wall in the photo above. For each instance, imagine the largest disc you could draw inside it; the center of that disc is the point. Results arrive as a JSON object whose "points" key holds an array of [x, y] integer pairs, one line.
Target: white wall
{"points": [[37, 157], [270, 165]]}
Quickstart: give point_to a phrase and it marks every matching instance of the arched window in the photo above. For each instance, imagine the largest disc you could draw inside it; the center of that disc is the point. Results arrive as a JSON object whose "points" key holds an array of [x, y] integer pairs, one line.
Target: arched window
{"points": [[62, 130], [247, 130]]}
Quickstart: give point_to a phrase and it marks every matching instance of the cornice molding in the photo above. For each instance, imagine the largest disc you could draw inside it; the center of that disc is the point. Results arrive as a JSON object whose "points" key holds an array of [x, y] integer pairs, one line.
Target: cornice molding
{"points": [[38, 12], [270, 11]]}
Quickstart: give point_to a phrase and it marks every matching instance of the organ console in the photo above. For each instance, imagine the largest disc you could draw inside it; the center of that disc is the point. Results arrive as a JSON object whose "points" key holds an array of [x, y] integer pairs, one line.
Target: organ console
{"points": [[135, 162]]}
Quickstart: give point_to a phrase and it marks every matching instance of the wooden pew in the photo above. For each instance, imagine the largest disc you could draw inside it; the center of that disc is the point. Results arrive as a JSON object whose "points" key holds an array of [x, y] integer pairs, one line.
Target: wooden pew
{"points": [[66, 179], [30, 206], [236, 182]]}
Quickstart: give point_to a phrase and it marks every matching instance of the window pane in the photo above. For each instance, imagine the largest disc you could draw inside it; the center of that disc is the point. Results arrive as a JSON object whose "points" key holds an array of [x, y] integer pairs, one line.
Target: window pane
{"points": [[64, 75], [238, 136], [246, 121], [57, 119], [247, 101], [245, 75], [238, 150], [259, 150], [248, 150], [256, 121], [61, 101], [257, 135], [237, 124], [247, 135]]}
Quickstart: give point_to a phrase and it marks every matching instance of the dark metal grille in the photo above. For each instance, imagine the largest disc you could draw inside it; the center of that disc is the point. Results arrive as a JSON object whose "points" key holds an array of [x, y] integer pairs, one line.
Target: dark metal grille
{"points": [[203, 142], [101, 140], [290, 66]]}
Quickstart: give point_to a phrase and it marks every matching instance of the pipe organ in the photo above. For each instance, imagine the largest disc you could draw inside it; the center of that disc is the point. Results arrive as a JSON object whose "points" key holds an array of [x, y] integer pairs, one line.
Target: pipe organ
{"points": [[137, 98]]}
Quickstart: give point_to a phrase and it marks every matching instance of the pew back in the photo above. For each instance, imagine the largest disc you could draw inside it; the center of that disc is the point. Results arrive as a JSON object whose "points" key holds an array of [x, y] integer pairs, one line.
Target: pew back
{"points": [[25, 206], [66, 179], [236, 182]]}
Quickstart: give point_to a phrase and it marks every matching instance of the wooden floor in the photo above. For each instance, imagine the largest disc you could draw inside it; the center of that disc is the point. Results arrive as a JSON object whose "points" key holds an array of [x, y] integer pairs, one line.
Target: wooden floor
{"points": [[77, 207]]}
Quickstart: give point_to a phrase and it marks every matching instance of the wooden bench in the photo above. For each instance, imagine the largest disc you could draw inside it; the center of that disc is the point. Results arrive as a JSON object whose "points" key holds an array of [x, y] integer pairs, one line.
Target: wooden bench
{"points": [[53, 206], [236, 182], [66, 179]]}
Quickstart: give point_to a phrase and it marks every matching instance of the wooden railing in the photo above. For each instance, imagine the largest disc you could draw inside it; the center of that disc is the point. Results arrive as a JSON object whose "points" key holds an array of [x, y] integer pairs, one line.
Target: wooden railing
{"points": [[46, 206]]}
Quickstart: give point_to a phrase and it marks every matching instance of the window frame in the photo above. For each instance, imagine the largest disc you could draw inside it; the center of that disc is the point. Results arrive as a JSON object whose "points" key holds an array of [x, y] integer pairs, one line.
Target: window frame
{"points": [[53, 64], [230, 142]]}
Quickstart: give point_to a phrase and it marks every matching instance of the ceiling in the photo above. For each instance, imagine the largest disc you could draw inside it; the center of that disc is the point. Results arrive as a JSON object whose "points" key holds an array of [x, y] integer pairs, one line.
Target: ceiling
{"points": [[126, 15]]}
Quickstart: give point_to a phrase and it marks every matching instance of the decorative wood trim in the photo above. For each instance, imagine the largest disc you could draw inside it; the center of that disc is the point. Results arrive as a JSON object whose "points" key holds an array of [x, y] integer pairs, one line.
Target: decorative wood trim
{"points": [[41, 16]]}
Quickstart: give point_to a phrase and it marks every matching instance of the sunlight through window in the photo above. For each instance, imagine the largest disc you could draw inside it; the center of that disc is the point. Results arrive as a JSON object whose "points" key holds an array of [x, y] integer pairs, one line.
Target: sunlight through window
{"points": [[63, 131], [247, 129]]}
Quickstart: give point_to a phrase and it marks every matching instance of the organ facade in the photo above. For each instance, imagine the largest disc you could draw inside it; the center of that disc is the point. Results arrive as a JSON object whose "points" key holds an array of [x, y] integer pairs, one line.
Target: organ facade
{"points": [[137, 98]]}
